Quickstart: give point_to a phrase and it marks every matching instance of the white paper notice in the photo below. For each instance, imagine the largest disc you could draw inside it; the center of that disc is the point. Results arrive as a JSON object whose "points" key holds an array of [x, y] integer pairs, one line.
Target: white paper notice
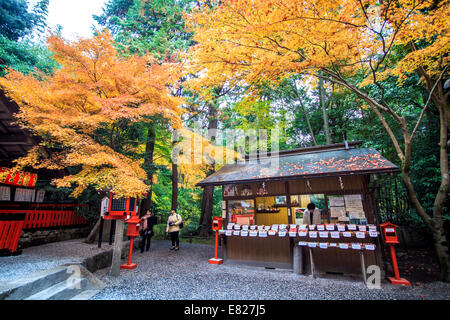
{"points": [[313, 234], [362, 228], [263, 234], [369, 246], [5, 193], [236, 232], [341, 227], [230, 226], [244, 233], [282, 233], [253, 233], [343, 245], [360, 235], [292, 234], [260, 227], [302, 233], [245, 227], [336, 212], [347, 234], [237, 227], [335, 234], [275, 227], [337, 202], [356, 246], [320, 227], [373, 234], [303, 227], [253, 227], [292, 226], [323, 234], [303, 243], [323, 245], [372, 228], [332, 244], [282, 226], [272, 232], [267, 228], [329, 227], [312, 244], [228, 233], [351, 227], [312, 227]]}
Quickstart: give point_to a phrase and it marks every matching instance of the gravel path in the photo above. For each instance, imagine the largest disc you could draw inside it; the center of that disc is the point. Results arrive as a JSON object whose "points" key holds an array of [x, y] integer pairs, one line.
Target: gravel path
{"points": [[167, 275], [46, 257]]}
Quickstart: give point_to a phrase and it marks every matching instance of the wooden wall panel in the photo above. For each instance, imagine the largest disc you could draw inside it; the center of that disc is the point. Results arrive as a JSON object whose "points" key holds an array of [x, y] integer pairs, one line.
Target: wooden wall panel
{"points": [[327, 185], [271, 249]]}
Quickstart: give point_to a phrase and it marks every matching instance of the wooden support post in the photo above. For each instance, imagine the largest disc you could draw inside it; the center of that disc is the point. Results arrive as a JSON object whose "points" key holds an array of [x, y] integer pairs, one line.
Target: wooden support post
{"points": [[100, 232], [117, 250], [298, 260], [111, 231], [363, 266], [312, 262]]}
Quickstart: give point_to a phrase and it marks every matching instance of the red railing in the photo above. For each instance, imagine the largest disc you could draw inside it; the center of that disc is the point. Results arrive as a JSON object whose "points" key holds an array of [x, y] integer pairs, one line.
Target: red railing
{"points": [[11, 227], [10, 234]]}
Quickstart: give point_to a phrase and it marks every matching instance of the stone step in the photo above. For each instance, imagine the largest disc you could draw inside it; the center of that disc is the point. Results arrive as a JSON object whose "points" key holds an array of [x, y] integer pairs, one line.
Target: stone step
{"points": [[85, 295], [22, 288], [53, 285], [61, 291]]}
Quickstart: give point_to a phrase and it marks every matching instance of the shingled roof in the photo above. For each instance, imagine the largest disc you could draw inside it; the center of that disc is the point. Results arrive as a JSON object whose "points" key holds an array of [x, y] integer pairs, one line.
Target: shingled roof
{"points": [[302, 165]]}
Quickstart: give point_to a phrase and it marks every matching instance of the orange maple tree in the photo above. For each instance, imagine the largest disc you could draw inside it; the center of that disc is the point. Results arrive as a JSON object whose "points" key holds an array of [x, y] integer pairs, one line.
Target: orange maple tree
{"points": [[247, 42], [93, 89]]}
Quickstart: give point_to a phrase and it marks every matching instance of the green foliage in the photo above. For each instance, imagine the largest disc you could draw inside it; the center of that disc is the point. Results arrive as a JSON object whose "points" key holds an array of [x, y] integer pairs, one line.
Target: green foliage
{"points": [[16, 21], [17, 24], [155, 26], [25, 56]]}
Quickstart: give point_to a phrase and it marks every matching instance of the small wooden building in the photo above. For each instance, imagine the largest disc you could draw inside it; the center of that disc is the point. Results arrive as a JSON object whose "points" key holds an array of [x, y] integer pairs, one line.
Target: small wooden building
{"points": [[264, 199], [23, 204]]}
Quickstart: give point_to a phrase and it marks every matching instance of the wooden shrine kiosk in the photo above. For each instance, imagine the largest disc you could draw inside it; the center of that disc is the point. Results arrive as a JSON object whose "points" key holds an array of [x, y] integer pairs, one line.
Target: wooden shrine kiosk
{"points": [[264, 200]]}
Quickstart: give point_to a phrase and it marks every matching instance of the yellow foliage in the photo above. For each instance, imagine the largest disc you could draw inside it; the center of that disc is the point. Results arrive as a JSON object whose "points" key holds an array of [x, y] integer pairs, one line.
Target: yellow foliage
{"points": [[93, 88], [244, 42], [196, 153]]}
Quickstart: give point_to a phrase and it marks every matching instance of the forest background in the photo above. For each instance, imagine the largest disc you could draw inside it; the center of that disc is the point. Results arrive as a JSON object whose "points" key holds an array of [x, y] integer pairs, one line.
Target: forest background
{"points": [[308, 110]]}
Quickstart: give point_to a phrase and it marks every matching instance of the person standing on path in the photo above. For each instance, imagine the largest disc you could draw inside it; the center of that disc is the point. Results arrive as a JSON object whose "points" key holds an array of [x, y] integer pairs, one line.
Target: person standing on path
{"points": [[173, 227], [147, 223]]}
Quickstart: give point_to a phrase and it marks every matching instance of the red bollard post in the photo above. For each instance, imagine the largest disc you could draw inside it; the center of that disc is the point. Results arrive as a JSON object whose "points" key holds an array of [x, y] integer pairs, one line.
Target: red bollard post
{"points": [[133, 231], [129, 265], [390, 238], [216, 226]]}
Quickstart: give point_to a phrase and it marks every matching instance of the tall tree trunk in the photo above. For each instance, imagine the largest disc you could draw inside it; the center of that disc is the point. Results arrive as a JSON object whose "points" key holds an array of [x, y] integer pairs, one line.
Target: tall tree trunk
{"points": [[442, 246], [435, 222], [148, 166], [324, 109], [208, 192], [306, 115], [174, 173], [174, 186]]}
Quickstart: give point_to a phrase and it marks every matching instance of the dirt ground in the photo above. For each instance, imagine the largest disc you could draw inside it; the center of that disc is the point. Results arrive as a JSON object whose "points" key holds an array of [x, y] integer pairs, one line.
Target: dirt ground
{"points": [[416, 265]]}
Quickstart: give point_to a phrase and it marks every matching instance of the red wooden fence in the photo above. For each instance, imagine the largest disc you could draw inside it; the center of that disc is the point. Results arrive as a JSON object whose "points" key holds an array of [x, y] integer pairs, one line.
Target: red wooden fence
{"points": [[12, 222], [10, 230]]}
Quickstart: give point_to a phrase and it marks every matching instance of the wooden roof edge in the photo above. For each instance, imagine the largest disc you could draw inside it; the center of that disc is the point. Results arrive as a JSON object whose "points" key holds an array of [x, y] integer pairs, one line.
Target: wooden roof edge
{"points": [[328, 147], [302, 177]]}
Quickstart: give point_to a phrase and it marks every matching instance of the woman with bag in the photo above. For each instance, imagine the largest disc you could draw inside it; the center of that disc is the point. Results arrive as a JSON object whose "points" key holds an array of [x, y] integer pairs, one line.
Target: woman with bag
{"points": [[147, 223], [174, 223]]}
